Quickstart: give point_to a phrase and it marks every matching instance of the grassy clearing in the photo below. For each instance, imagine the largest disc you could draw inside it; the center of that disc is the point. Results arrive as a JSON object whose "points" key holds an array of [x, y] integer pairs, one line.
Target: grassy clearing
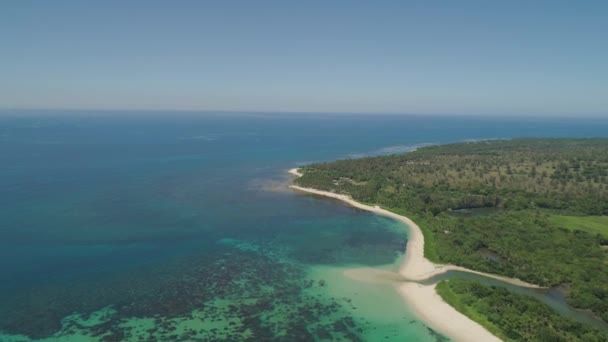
{"points": [[589, 224]]}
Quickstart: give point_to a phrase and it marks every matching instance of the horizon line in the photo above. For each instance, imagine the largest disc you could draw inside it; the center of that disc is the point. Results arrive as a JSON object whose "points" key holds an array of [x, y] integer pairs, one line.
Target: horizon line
{"points": [[296, 112]]}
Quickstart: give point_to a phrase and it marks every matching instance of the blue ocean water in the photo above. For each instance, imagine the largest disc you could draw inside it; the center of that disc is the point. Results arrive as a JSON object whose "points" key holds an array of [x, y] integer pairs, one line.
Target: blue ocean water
{"points": [[161, 216]]}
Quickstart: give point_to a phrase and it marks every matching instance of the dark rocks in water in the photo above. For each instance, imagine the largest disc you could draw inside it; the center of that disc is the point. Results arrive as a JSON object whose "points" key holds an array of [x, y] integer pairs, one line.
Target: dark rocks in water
{"points": [[323, 334], [169, 295], [438, 337]]}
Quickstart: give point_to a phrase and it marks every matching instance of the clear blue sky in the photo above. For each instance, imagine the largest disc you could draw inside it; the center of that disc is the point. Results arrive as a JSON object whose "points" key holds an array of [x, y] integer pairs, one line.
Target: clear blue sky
{"points": [[476, 57]]}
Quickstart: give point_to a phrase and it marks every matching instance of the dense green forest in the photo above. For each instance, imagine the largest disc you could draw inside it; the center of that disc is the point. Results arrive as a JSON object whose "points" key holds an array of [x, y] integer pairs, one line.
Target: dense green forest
{"points": [[494, 206], [514, 317]]}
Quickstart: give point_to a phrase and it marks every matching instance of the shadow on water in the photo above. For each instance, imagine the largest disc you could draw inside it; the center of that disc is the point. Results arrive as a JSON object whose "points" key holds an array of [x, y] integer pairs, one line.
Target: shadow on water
{"points": [[553, 297]]}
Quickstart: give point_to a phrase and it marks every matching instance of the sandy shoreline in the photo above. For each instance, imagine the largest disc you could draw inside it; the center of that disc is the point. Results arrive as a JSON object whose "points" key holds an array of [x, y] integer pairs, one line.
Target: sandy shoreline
{"points": [[423, 299]]}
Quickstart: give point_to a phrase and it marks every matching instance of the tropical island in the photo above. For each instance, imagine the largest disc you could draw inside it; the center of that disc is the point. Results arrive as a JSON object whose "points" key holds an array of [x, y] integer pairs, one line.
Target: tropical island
{"points": [[528, 209]]}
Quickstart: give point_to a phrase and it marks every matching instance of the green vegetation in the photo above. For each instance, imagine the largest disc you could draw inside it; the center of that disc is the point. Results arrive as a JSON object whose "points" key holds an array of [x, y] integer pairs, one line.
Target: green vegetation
{"points": [[564, 174], [491, 206], [513, 317], [463, 306], [589, 224]]}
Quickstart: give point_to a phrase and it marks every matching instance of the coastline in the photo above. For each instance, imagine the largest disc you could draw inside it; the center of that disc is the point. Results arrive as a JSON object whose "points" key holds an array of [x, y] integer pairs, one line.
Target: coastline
{"points": [[423, 299]]}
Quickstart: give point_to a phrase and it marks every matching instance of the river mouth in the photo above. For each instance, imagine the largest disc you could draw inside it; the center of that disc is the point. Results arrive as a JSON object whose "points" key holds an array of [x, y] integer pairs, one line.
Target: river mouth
{"points": [[553, 297]]}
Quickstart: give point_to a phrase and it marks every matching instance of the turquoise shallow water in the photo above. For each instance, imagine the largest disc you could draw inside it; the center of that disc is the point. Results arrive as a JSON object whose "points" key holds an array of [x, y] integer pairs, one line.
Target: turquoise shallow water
{"points": [[118, 226]]}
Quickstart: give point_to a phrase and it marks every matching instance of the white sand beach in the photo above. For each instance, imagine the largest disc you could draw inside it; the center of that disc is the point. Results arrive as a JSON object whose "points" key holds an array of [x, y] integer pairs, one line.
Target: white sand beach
{"points": [[423, 299], [295, 172]]}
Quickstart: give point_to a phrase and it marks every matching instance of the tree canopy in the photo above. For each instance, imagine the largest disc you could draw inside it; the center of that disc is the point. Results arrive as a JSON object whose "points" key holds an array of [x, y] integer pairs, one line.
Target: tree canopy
{"points": [[491, 206]]}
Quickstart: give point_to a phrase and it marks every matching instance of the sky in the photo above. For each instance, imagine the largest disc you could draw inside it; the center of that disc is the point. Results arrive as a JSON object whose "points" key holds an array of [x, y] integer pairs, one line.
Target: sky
{"points": [[464, 57]]}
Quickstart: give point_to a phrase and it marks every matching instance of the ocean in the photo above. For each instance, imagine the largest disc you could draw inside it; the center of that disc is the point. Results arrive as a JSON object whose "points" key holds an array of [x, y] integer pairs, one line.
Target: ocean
{"points": [[135, 226]]}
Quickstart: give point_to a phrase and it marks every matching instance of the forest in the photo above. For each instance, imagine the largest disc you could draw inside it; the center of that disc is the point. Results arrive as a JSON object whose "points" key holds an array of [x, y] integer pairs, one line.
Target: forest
{"points": [[514, 317], [495, 206]]}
